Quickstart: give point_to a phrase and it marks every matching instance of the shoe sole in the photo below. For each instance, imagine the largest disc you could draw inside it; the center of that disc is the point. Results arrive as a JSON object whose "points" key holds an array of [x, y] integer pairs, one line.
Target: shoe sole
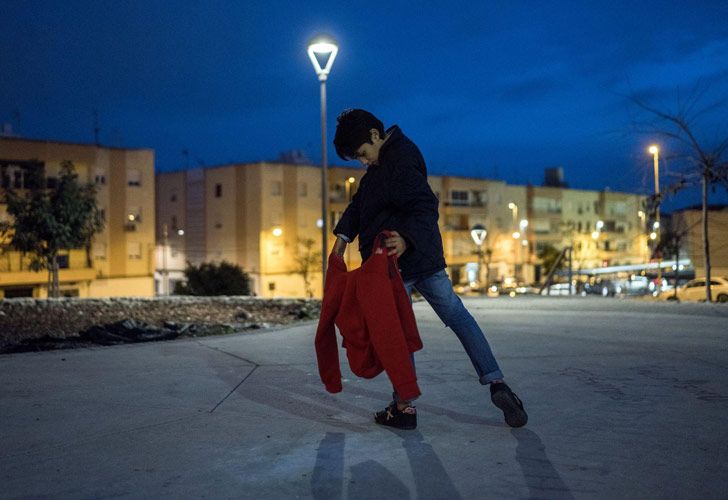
{"points": [[404, 428], [515, 416]]}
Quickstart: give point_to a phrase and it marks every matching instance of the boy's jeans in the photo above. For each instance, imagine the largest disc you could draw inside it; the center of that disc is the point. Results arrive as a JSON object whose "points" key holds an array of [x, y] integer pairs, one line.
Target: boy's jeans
{"points": [[437, 291]]}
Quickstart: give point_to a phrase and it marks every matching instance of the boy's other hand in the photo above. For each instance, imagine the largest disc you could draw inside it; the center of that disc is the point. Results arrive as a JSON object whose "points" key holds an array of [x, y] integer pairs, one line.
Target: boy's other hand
{"points": [[339, 247], [395, 244]]}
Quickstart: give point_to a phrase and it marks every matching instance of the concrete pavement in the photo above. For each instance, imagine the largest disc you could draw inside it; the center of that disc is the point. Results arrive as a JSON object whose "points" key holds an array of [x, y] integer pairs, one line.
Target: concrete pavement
{"points": [[626, 399]]}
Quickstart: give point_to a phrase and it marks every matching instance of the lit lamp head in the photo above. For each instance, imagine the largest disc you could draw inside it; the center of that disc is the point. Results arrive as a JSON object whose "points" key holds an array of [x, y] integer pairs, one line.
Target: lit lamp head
{"points": [[653, 150], [523, 224], [322, 49], [478, 234], [351, 180], [277, 231], [511, 205]]}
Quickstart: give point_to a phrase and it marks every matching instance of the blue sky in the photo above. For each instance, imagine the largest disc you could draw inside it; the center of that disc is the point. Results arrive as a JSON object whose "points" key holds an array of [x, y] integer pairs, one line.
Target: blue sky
{"points": [[487, 89]]}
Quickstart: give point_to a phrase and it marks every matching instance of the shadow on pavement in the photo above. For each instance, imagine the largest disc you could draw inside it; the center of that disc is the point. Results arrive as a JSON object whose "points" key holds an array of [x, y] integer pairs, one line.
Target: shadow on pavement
{"points": [[370, 479], [539, 473]]}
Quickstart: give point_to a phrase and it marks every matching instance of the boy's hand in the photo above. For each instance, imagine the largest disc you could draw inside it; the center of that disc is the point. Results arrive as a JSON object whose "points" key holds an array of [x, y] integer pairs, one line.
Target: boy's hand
{"points": [[339, 247], [395, 244]]}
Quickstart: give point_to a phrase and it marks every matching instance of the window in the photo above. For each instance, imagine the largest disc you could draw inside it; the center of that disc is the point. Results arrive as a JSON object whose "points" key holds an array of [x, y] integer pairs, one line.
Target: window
{"points": [[578, 226], [133, 177], [63, 261], [302, 189], [596, 207], [459, 198], [275, 188], [272, 286], [17, 179], [218, 190], [99, 251], [174, 223], [173, 197], [100, 177], [135, 251]]}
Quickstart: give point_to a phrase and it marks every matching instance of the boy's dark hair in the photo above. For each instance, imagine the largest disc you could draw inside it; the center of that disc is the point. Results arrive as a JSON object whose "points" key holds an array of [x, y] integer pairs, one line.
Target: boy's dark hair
{"points": [[352, 130]]}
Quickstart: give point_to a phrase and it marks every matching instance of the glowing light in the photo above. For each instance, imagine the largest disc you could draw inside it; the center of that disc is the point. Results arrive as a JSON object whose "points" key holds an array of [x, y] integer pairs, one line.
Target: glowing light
{"points": [[640, 214], [511, 205], [653, 235], [277, 231], [654, 150], [600, 225], [595, 234], [523, 224], [516, 235], [524, 243], [656, 226], [181, 232], [322, 45], [132, 217], [319, 223], [351, 180]]}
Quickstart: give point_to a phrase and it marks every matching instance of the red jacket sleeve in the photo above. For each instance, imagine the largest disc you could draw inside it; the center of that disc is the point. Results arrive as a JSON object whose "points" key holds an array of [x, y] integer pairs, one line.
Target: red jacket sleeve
{"points": [[377, 302], [327, 352]]}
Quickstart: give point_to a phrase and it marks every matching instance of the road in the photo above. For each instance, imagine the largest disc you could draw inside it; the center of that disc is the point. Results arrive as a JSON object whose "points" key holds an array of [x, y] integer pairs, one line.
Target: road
{"points": [[626, 399]]}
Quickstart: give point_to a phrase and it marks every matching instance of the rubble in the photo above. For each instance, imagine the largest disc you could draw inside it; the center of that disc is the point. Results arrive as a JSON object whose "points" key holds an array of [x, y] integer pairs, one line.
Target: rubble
{"points": [[31, 324]]}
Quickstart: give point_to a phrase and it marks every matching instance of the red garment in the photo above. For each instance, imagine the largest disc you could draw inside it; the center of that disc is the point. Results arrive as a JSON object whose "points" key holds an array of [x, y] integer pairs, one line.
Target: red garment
{"points": [[374, 315]]}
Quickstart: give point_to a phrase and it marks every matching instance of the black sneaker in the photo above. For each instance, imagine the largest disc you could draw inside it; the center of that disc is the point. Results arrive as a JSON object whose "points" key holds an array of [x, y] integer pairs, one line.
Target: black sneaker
{"points": [[505, 399], [400, 419]]}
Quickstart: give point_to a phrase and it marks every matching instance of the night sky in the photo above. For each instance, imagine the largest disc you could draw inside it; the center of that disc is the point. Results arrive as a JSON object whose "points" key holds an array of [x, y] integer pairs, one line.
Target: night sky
{"points": [[486, 89]]}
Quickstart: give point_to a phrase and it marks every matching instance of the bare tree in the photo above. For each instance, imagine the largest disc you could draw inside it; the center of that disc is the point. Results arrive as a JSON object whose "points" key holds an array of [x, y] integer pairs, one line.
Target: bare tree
{"points": [[307, 261], [702, 161]]}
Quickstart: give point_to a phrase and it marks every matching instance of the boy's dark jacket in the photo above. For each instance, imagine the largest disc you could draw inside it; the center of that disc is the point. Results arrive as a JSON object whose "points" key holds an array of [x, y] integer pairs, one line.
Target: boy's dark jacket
{"points": [[395, 195], [374, 315]]}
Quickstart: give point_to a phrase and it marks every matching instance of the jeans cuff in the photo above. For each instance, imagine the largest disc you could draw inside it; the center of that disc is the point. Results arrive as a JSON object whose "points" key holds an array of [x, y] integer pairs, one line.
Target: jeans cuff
{"points": [[490, 377]]}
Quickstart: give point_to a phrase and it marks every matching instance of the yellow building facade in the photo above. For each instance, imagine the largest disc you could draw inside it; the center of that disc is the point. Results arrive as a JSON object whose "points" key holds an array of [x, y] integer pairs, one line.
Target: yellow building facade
{"points": [[121, 259], [259, 215]]}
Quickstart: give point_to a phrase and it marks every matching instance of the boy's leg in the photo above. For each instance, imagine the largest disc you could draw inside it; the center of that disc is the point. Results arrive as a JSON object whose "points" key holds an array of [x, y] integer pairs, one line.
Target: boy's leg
{"points": [[437, 290]]}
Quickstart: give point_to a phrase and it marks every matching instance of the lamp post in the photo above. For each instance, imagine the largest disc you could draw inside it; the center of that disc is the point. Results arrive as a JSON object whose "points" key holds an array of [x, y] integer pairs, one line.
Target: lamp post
{"points": [[478, 233], [349, 184], [655, 152], [516, 234], [522, 225], [325, 47]]}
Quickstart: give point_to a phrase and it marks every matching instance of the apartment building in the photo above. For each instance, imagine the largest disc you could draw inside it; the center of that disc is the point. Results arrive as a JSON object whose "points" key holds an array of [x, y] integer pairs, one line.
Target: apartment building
{"points": [[688, 223], [259, 215], [121, 260]]}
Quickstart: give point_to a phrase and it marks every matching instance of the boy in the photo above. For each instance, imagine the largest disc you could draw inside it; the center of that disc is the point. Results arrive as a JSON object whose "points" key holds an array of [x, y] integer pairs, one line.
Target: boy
{"points": [[394, 195]]}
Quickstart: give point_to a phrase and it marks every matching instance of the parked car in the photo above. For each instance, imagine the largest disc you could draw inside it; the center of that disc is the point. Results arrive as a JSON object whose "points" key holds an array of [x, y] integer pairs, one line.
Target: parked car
{"points": [[694, 290], [603, 287]]}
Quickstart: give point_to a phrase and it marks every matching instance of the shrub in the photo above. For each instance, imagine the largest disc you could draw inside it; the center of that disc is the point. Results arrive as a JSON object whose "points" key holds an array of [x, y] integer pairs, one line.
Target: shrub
{"points": [[214, 279]]}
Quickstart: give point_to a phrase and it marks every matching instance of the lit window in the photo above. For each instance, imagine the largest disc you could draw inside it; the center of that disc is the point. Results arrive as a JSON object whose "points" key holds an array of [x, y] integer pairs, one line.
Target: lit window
{"points": [[133, 177]]}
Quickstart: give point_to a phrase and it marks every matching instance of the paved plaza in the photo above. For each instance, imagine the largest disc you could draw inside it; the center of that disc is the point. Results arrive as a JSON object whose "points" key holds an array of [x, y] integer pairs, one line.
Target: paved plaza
{"points": [[626, 399]]}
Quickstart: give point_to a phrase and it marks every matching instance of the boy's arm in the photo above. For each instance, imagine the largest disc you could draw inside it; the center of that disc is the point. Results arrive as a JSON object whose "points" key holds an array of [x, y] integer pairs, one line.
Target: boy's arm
{"points": [[348, 225]]}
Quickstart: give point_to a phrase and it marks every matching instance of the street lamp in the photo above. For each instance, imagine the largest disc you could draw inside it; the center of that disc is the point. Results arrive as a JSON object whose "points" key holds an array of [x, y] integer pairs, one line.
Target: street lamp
{"points": [[478, 233], [655, 152], [323, 47]]}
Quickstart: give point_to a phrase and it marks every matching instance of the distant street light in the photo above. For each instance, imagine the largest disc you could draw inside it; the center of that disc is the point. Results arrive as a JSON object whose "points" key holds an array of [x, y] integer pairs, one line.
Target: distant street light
{"points": [[478, 233], [326, 48]]}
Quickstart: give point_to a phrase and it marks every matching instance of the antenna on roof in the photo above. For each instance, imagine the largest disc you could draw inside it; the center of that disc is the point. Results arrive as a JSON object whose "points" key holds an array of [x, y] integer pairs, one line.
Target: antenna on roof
{"points": [[97, 128]]}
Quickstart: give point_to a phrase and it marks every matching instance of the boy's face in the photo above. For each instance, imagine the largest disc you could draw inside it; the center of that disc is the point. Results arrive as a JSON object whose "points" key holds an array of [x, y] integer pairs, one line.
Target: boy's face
{"points": [[368, 154]]}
